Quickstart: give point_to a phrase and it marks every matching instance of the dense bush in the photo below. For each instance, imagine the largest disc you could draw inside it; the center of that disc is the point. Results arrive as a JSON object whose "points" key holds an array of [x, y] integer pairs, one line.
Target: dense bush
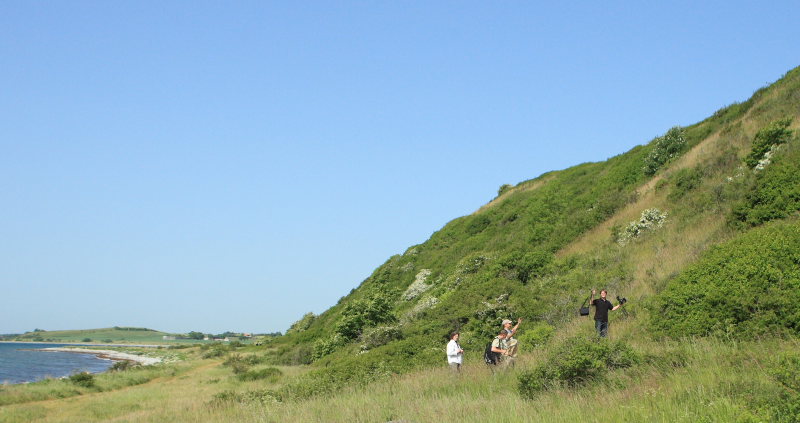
{"points": [[123, 365], [358, 314], [381, 335], [524, 265], [84, 379], [665, 148], [685, 180], [302, 324], [536, 336], [575, 362], [269, 374], [214, 350], [775, 193], [649, 220], [775, 133], [747, 286]]}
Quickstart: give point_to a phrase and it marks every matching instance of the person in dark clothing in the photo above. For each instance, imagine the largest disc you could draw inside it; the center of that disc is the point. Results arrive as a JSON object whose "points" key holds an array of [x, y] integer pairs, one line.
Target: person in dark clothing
{"points": [[601, 308]]}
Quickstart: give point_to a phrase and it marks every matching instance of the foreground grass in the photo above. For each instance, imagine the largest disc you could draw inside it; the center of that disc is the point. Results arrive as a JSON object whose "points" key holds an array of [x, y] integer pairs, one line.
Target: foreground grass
{"points": [[711, 380]]}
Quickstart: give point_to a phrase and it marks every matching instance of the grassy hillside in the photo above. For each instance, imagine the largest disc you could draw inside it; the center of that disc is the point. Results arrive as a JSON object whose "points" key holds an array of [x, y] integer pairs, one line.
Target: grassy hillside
{"points": [[698, 228]]}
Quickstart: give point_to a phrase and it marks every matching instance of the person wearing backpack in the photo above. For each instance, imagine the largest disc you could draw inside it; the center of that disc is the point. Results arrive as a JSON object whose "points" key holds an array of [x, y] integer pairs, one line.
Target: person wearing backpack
{"points": [[455, 353], [496, 350]]}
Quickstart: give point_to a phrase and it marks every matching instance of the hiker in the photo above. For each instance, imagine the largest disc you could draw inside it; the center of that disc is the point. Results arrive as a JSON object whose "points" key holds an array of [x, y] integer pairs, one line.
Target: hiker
{"points": [[601, 308], [496, 350], [455, 353], [511, 342]]}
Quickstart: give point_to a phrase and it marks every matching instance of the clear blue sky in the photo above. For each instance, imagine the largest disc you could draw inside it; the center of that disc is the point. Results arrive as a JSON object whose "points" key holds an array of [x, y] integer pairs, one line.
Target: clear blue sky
{"points": [[219, 166]]}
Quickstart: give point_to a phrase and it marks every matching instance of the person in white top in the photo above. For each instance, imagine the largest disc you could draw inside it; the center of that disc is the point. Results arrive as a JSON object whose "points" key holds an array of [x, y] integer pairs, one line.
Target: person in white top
{"points": [[454, 352]]}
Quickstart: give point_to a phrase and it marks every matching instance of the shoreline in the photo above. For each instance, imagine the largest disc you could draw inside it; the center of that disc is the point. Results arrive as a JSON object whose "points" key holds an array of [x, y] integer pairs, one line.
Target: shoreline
{"points": [[108, 355]]}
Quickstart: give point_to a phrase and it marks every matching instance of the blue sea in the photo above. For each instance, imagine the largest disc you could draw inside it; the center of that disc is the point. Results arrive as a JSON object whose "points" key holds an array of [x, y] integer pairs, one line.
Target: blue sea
{"points": [[20, 362]]}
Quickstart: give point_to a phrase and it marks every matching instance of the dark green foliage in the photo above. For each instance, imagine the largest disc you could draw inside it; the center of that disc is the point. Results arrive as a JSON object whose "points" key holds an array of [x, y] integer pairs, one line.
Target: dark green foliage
{"points": [[362, 313], [381, 335], [665, 148], [302, 324], [84, 379], [324, 347], [86, 340], [749, 286], [242, 363], [503, 189], [269, 374], [123, 365], [523, 266], [214, 350], [775, 193], [261, 396], [576, 362], [341, 370], [775, 133], [195, 335], [536, 336], [684, 181]]}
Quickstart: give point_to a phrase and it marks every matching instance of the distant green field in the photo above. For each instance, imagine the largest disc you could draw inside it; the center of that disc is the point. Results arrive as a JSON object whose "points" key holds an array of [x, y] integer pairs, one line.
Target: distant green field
{"points": [[104, 335]]}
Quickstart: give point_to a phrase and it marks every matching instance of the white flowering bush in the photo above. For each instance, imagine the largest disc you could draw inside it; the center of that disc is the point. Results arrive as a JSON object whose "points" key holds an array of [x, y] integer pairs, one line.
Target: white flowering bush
{"points": [[378, 336], [666, 147], [419, 285], [422, 305], [766, 159], [650, 219]]}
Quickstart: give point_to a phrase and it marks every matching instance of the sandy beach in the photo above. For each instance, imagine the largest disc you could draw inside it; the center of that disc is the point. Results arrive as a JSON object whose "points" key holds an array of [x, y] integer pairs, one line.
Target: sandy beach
{"points": [[109, 354]]}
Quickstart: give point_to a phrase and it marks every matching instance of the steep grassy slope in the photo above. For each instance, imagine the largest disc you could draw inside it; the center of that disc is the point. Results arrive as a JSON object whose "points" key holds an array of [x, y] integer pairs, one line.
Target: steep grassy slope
{"points": [[534, 251]]}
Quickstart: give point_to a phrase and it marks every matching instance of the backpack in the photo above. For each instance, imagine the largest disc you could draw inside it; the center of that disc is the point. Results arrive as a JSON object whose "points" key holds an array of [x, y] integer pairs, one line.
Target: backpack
{"points": [[489, 356]]}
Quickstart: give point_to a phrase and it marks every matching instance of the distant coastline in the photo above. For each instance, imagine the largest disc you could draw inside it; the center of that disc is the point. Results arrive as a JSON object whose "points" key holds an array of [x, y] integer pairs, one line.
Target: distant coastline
{"points": [[108, 355]]}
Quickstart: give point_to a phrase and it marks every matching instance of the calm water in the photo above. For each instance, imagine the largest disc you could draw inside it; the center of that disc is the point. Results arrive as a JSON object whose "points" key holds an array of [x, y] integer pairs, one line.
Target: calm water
{"points": [[28, 363]]}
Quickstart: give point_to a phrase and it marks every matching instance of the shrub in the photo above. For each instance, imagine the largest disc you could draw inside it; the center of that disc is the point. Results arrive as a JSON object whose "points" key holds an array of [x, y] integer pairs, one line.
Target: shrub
{"points": [[524, 266], [748, 286], [84, 379], [685, 180], [215, 350], [649, 220], [775, 133], [359, 314], [241, 363], [665, 148], [86, 340], [271, 375], [263, 397], [123, 365], [419, 285], [378, 336], [302, 324], [324, 347], [535, 336], [775, 193], [576, 362]]}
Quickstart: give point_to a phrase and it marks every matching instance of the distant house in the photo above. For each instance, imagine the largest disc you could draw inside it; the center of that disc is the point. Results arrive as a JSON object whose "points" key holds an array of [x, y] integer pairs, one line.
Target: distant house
{"points": [[168, 338]]}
